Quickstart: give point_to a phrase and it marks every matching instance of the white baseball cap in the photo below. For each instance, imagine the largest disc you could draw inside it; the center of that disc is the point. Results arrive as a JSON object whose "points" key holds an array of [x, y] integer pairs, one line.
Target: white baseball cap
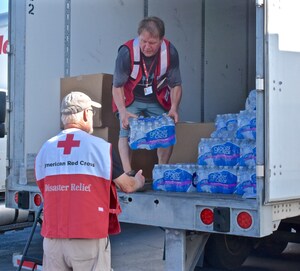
{"points": [[76, 102]]}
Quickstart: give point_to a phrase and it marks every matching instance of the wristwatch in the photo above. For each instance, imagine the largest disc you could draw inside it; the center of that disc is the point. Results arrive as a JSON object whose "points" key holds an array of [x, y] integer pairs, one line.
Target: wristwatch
{"points": [[131, 173]]}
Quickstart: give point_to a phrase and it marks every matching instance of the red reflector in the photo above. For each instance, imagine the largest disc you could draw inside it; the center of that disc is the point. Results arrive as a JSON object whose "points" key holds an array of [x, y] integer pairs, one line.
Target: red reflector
{"points": [[207, 216], [37, 200], [16, 197], [244, 220]]}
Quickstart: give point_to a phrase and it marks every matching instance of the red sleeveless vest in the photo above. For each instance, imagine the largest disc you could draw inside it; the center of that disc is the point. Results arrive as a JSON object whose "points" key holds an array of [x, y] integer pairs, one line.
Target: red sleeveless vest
{"points": [[80, 199], [162, 94]]}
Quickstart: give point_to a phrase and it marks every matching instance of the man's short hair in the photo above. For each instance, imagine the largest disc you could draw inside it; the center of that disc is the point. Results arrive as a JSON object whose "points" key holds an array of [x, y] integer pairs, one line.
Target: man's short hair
{"points": [[154, 25]]}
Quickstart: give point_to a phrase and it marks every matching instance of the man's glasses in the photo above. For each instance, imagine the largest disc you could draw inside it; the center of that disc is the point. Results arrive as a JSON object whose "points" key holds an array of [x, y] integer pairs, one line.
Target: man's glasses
{"points": [[93, 111]]}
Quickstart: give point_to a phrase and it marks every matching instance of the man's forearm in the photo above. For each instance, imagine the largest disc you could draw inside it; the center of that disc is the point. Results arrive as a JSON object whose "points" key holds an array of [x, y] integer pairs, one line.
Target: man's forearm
{"points": [[176, 94], [119, 99]]}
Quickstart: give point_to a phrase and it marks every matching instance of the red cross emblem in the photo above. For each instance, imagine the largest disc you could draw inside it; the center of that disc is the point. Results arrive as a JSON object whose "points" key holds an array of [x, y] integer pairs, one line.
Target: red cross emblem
{"points": [[68, 144]]}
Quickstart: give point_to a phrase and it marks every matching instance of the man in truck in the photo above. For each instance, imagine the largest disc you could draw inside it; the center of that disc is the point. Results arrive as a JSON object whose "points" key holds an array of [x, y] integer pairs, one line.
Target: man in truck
{"points": [[147, 82], [77, 174]]}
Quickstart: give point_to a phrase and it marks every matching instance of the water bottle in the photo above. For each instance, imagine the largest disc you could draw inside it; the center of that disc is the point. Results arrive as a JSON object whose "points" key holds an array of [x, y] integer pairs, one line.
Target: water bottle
{"points": [[169, 130], [158, 180], [221, 128], [246, 125], [253, 124], [231, 124], [246, 185], [247, 153], [204, 152], [133, 125], [202, 184], [251, 100], [169, 178]]}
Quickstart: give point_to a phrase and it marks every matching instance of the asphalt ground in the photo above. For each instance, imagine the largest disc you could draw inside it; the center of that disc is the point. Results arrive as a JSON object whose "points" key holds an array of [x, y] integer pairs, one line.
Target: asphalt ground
{"points": [[140, 248]]}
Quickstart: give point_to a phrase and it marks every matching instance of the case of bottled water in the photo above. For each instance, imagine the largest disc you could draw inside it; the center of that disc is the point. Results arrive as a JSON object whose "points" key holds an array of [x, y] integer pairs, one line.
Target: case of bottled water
{"points": [[216, 179], [225, 152], [174, 177], [226, 126], [152, 132], [218, 152]]}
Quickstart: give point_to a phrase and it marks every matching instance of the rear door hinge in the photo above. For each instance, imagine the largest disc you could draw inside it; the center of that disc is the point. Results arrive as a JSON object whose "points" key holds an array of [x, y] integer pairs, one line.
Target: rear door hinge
{"points": [[260, 171], [259, 3], [259, 83]]}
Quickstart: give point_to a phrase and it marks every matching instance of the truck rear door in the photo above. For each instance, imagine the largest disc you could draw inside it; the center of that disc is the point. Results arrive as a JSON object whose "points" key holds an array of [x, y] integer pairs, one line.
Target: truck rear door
{"points": [[282, 98]]}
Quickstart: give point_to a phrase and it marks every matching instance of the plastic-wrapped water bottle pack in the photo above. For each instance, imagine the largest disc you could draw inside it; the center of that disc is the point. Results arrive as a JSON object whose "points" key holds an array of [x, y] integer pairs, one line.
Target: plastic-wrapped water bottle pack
{"points": [[246, 128], [216, 179], [230, 152], [226, 126], [239, 126], [152, 132], [174, 177], [227, 180]]}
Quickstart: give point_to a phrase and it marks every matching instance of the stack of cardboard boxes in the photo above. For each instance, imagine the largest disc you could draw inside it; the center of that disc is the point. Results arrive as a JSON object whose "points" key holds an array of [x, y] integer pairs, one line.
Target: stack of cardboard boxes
{"points": [[106, 124]]}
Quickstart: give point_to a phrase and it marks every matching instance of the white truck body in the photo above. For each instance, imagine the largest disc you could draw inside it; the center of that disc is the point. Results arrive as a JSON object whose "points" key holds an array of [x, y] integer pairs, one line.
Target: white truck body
{"points": [[226, 48], [3, 87]]}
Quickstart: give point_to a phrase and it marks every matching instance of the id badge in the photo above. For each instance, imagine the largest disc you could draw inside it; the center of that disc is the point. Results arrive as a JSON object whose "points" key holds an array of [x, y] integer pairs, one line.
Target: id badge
{"points": [[148, 90]]}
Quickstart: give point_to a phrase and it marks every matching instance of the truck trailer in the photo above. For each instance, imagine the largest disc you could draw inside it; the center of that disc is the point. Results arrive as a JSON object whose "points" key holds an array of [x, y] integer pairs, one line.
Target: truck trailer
{"points": [[226, 49], [10, 219]]}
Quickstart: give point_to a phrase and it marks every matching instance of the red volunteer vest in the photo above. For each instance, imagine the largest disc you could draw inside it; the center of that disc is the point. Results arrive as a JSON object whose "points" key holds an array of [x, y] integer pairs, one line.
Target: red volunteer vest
{"points": [[73, 172], [162, 94]]}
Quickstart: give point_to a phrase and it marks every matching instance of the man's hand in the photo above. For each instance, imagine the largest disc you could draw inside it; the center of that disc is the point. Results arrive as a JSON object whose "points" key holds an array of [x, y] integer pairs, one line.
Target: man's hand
{"points": [[140, 179], [174, 115], [129, 184], [124, 117]]}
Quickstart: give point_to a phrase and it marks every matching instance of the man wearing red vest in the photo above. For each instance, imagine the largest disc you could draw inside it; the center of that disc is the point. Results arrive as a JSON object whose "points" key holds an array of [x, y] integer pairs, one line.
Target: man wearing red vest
{"points": [[77, 174], [146, 82]]}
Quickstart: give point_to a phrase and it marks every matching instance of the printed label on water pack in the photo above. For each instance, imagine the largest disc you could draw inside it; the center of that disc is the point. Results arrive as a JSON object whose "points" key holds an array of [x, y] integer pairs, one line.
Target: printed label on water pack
{"points": [[151, 133], [226, 154], [174, 180]]}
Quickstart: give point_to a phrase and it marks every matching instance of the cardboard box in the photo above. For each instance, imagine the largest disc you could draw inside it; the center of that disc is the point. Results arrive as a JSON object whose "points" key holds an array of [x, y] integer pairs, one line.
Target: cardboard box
{"points": [[188, 135], [99, 88], [145, 160], [110, 134]]}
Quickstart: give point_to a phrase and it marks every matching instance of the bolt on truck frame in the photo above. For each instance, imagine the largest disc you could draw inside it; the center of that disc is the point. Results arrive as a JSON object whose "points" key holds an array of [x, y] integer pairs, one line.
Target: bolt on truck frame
{"points": [[226, 48]]}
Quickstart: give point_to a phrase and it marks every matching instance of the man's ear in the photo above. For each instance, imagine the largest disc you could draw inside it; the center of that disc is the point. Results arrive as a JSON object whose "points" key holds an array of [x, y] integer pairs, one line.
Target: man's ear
{"points": [[85, 116]]}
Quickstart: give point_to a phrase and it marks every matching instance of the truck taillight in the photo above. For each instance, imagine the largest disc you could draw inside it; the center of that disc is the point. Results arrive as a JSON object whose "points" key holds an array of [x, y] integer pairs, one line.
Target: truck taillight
{"points": [[244, 220], [207, 216], [16, 197], [37, 199]]}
